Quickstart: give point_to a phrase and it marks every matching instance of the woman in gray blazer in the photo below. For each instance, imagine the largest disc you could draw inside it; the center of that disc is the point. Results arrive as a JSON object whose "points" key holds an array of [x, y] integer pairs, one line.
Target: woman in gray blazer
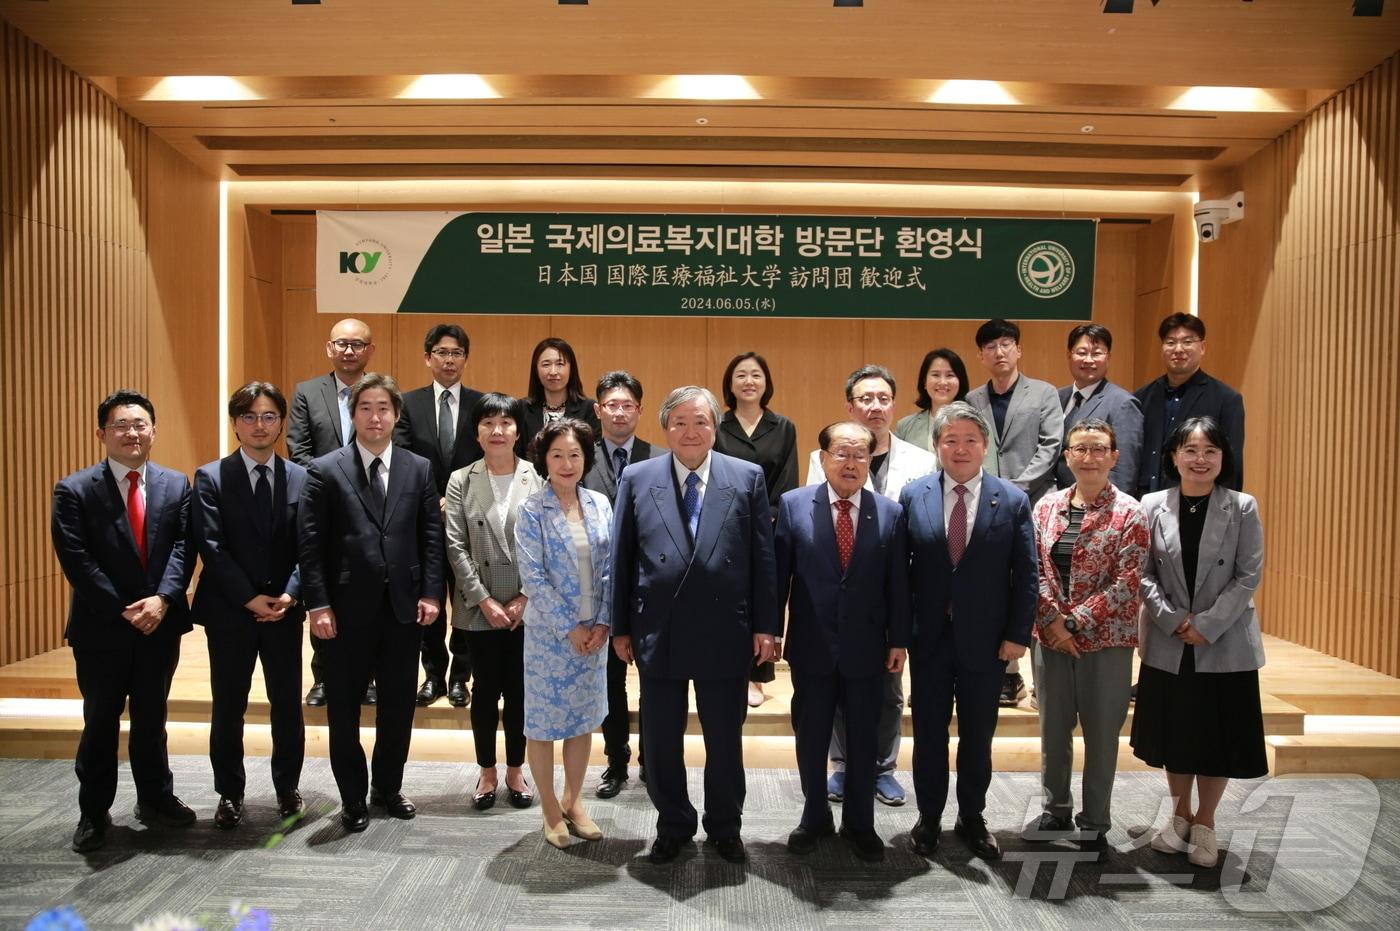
{"points": [[1198, 714], [483, 499]]}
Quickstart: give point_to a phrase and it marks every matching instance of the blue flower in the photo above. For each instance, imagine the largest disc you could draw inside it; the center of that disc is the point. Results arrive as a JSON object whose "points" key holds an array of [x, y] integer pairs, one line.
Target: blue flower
{"points": [[62, 918]]}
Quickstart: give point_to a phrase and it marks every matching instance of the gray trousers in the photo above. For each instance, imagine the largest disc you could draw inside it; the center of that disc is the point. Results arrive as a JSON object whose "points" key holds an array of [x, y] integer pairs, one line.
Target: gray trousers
{"points": [[1094, 691], [887, 734]]}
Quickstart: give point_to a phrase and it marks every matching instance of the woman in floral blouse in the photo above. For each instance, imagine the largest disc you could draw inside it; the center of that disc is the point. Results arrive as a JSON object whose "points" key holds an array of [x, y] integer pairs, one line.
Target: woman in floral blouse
{"points": [[1092, 540]]}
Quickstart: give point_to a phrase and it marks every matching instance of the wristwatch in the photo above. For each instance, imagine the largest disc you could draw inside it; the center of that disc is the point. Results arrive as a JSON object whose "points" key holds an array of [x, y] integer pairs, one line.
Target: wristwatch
{"points": [[1070, 625]]}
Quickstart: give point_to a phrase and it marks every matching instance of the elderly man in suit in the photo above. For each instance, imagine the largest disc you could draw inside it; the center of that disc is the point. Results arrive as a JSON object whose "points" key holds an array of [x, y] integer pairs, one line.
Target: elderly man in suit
{"points": [[842, 563], [619, 408], [694, 601], [321, 423], [974, 579], [244, 521], [371, 546], [870, 393], [119, 531], [1093, 396], [436, 424]]}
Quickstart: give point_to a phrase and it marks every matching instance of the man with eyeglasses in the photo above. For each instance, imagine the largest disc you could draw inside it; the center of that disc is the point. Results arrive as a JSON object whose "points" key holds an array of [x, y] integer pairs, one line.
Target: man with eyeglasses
{"points": [[1093, 396], [436, 424], [1183, 392], [893, 464], [244, 521], [120, 531], [320, 424]]}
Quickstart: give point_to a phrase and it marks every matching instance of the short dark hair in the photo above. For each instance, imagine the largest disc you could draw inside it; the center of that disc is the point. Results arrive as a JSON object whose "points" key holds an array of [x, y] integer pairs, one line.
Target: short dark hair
{"points": [[618, 378], [829, 431], [1094, 424], [242, 400], [436, 334], [539, 446], [1173, 321], [996, 329], [377, 380], [955, 362], [120, 398], [496, 404], [1094, 332], [728, 388], [868, 371], [1214, 433], [574, 389]]}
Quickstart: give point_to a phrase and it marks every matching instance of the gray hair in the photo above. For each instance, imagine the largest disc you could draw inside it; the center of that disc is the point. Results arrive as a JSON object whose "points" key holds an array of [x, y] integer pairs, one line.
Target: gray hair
{"points": [[959, 410], [685, 395]]}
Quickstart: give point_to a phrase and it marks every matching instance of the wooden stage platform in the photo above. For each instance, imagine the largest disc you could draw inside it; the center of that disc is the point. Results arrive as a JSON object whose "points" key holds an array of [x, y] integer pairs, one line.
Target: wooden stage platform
{"points": [[40, 717]]}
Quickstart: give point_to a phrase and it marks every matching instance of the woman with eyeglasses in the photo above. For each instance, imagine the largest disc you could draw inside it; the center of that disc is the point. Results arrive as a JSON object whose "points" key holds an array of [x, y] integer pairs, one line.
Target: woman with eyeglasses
{"points": [[556, 391], [1198, 714], [750, 431], [942, 378], [1092, 542]]}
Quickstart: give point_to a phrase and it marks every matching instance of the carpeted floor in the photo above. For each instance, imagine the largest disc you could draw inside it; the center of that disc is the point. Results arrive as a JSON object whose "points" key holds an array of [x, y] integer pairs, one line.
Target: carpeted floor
{"points": [[1315, 852]]}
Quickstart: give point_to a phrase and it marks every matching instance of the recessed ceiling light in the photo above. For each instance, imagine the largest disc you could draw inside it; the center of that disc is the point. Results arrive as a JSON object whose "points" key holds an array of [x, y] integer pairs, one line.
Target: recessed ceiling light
{"points": [[200, 87], [702, 121], [1226, 99], [972, 92], [448, 87], [1087, 128], [705, 87]]}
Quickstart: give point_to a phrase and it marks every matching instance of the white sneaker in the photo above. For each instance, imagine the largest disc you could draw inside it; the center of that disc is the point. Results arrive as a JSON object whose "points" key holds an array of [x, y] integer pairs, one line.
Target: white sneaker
{"points": [[1172, 837], [1204, 850]]}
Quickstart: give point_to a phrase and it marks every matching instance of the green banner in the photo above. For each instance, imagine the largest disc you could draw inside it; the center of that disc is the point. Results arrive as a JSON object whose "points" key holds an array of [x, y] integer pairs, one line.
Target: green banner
{"points": [[738, 265]]}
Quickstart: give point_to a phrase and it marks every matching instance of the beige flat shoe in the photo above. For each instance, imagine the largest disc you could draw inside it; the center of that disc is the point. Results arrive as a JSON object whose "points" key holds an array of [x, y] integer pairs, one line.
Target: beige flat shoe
{"points": [[1172, 837], [557, 837], [1204, 850], [583, 827]]}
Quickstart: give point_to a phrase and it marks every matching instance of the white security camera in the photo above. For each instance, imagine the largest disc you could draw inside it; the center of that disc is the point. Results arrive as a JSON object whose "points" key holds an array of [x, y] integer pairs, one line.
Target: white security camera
{"points": [[1213, 214]]}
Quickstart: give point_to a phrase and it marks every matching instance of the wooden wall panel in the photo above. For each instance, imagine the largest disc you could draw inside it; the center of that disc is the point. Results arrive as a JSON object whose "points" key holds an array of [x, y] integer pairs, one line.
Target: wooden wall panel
{"points": [[105, 282], [1302, 298]]}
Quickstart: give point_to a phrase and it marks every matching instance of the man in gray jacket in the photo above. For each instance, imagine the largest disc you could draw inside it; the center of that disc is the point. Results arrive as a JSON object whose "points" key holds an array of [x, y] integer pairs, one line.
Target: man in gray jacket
{"points": [[1091, 394]]}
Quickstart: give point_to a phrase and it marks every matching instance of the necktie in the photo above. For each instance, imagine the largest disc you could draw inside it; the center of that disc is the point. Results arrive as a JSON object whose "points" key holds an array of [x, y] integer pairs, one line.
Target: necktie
{"points": [[343, 401], [619, 462], [262, 499], [376, 488], [957, 526], [845, 533], [692, 503], [1075, 400], [136, 512], [446, 427]]}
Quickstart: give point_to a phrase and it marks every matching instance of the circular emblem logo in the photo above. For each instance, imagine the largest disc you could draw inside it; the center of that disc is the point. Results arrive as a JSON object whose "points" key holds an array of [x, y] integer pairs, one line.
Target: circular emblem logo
{"points": [[370, 263], [1046, 269]]}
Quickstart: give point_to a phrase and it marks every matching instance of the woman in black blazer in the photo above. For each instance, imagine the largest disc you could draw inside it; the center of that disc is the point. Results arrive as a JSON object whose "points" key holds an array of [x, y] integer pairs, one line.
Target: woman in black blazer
{"points": [[556, 391], [750, 431]]}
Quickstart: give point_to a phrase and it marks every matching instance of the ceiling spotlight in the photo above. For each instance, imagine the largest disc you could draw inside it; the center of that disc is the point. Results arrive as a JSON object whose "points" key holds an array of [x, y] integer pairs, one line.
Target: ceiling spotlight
{"points": [[1087, 128], [1367, 7]]}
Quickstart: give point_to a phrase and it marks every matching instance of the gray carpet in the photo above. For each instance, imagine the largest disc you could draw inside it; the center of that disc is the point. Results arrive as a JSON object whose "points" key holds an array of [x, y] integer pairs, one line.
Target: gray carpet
{"points": [[1316, 852]]}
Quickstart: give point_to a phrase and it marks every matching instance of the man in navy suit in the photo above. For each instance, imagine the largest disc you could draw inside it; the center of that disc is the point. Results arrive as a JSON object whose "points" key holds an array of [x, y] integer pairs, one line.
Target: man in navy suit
{"points": [[973, 576], [842, 560], [694, 601], [371, 546], [437, 424], [248, 598], [119, 530]]}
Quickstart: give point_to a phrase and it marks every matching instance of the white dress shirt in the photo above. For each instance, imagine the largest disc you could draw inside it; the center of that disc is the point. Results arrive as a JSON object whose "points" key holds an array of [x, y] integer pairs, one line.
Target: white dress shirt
{"points": [[454, 403], [703, 471], [855, 508], [250, 465], [367, 457], [950, 498], [119, 472]]}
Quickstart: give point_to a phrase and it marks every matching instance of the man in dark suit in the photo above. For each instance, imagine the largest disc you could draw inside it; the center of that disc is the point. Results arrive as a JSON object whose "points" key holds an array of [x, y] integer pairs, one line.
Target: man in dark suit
{"points": [[619, 408], [1093, 395], [321, 423], [842, 561], [119, 530], [973, 575], [694, 601], [436, 424], [1184, 392], [248, 598], [371, 550]]}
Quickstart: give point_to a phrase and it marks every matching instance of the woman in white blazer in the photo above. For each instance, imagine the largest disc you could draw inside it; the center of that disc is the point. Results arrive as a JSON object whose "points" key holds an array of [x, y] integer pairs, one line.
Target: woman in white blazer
{"points": [[1198, 714]]}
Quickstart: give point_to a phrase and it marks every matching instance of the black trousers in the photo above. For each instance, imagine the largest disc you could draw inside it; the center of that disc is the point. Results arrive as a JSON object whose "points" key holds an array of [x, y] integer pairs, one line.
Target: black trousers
{"points": [[723, 705], [233, 651], [498, 680], [616, 726], [140, 671], [815, 698], [387, 652], [437, 643]]}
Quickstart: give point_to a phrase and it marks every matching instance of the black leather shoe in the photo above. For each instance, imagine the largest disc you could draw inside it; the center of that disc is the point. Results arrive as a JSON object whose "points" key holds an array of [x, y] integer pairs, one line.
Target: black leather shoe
{"points": [[289, 804], [803, 840], [730, 849], [1093, 842], [167, 810], [973, 831], [925, 838], [1013, 689], [91, 833], [458, 696], [518, 798], [866, 845], [371, 695], [229, 812], [642, 774], [664, 849], [397, 805], [316, 695], [354, 816], [611, 782], [1048, 827], [483, 801], [432, 690]]}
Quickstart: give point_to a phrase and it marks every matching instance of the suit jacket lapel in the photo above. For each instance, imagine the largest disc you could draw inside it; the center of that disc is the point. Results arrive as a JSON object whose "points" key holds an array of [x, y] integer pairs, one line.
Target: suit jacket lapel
{"points": [[1171, 536], [714, 508], [1212, 534], [987, 503], [664, 495], [351, 466], [1020, 397], [518, 492], [279, 495], [398, 484], [329, 388], [824, 527], [866, 533], [117, 506], [235, 487], [932, 507]]}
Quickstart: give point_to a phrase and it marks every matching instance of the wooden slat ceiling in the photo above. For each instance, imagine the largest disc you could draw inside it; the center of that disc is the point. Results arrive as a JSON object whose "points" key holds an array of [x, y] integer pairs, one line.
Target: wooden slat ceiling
{"points": [[1088, 98]]}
